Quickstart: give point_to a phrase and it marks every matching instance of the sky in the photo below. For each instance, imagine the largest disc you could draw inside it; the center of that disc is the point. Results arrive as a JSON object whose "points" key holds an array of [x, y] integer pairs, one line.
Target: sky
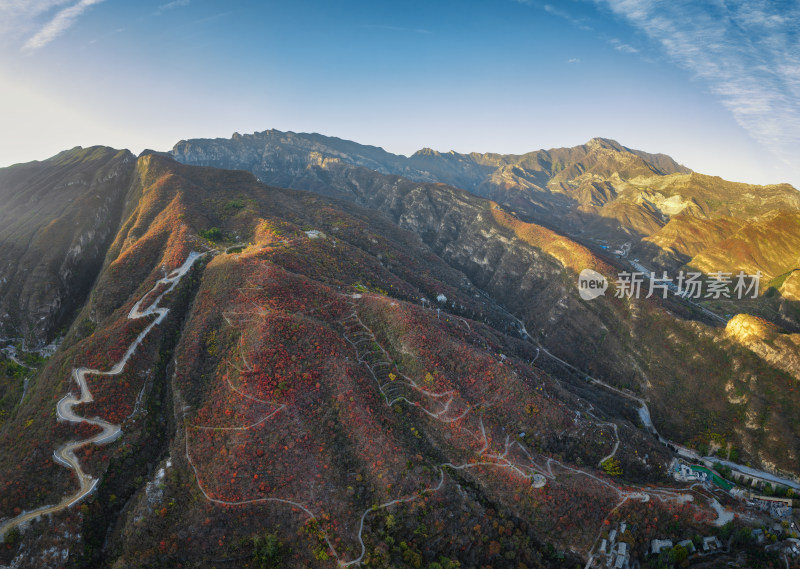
{"points": [[715, 84]]}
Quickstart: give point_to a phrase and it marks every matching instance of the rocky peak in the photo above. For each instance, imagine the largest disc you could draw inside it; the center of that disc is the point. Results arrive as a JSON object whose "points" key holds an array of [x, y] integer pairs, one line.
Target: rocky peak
{"points": [[426, 152]]}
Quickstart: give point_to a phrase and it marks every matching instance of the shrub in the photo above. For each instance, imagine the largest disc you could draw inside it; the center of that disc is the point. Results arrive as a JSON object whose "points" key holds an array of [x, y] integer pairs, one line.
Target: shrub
{"points": [[269, 551], [612, 467], [213, 234]]}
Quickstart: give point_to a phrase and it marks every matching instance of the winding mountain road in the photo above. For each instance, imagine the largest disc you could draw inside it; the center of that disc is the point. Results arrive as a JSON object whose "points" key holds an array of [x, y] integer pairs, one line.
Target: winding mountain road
{"points": [[65, 454]]}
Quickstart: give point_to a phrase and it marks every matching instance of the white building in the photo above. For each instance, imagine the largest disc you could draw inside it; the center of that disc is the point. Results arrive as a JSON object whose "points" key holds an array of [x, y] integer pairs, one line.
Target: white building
{"points": [[711, 543], [688, 545], [658, 544]]}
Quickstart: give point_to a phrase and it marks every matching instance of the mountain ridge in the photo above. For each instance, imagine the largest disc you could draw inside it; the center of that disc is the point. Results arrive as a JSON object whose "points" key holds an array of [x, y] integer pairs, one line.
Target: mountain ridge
{"points": [[601, 192], [367, 360], [57, 217]]}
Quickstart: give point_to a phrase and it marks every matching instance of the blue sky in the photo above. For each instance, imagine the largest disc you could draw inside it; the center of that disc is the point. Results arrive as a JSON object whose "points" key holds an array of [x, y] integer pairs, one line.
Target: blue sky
{"points": [[714, 84]]}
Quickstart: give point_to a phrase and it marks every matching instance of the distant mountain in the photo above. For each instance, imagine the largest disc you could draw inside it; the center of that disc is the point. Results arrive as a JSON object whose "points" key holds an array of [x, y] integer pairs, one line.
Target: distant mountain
{"points": [[57, 219], [537, 181], [257, 152], [600, 191], [601, 194]]}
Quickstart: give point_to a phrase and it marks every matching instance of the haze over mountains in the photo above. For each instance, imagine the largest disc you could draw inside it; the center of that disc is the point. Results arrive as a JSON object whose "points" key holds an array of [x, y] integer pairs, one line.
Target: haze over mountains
{"points": [[374, 352]]}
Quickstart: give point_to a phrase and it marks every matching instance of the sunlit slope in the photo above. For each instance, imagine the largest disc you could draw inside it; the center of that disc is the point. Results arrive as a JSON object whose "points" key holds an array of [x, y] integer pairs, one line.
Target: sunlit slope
{"points": [[600, 191], [769, 244], [57, 218]]}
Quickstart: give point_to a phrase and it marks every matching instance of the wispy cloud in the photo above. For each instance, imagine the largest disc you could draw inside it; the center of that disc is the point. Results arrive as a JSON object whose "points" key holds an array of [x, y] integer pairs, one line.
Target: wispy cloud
{"points": [[18, 16], [581, 23], [746, 51], [561, 13], [58, 24], [574, 60], [623, 47], [171, 5]]}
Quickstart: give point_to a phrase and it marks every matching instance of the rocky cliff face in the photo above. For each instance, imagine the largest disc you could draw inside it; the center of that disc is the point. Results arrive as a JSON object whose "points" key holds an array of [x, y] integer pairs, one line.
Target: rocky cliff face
{"points": [[57, 220], [601, 192], [780, 349]]}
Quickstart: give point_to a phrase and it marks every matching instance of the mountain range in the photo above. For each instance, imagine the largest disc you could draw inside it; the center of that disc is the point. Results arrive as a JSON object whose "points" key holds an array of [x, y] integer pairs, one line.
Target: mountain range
{"points": [[315, 352], [601, 191]]}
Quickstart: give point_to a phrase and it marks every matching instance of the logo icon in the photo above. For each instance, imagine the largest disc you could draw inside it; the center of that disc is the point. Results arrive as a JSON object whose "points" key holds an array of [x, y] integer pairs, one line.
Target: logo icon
{"points": [[591, 284]]}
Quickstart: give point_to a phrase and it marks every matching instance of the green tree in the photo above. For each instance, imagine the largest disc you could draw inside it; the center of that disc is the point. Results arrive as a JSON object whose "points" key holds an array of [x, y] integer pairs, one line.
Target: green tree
{"points": [[679, 554], [268, 551], [213, 234], [390, 521], [743, 536]]}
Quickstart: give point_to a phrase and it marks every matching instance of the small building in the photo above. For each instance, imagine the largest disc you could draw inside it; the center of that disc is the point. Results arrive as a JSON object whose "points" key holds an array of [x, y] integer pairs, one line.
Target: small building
{"points": [[773, 500], [711, 543], [622, 527], [603, 546], [791, 547], [622, 549], [758, 535], [688, 545], [612, 536], [658, 544]]}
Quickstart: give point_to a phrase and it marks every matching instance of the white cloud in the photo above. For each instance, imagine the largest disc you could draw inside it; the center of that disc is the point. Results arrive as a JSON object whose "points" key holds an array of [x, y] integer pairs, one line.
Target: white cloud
{"points": [[558, 12], [58, 24], [170, 5], [18, 16], [746, 51], [623, 47], [574, 60]]}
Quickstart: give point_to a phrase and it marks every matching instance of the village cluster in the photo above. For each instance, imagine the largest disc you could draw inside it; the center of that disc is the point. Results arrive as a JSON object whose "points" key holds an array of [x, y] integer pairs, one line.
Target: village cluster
{"points": [[755, 491]]}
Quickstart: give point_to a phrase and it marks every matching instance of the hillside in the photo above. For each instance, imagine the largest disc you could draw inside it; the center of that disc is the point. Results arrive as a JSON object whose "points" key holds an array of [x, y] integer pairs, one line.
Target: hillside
{"points": [[358, 373], [310, 349], [631, 345], [769, 243], [56, 222]]}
